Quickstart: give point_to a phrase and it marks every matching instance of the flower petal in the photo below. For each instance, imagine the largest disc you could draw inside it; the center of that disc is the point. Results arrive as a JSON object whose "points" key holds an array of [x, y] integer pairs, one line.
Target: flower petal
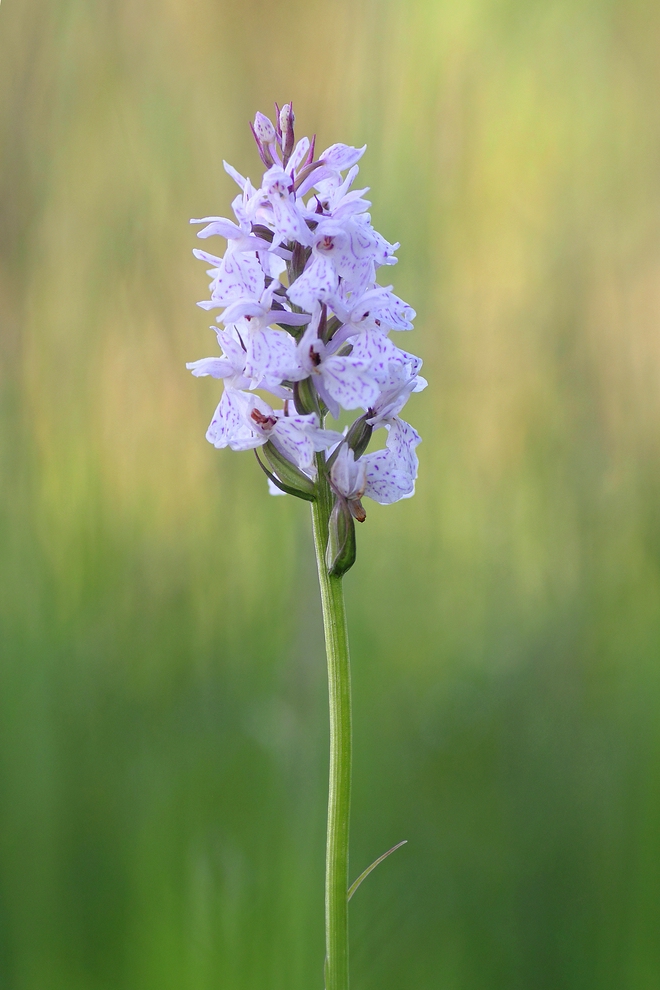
{"points": [[317, 283], [299, 154], [341, 156], [298, 437], [219, 225], [230, 426], [289, 223], [391, 473], [270, 354], [387, 483], [236, 176], [213, 366], [348, 475], [240, 275], [352, 387]]}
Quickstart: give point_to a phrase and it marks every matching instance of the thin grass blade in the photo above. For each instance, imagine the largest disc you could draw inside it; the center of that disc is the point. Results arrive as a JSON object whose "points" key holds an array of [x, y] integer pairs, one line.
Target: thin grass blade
{"points": [[363, 876]]}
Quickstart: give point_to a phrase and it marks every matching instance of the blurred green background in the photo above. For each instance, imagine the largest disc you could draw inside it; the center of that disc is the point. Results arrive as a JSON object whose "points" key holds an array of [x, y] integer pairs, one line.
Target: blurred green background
{"points": [[163, 710]]}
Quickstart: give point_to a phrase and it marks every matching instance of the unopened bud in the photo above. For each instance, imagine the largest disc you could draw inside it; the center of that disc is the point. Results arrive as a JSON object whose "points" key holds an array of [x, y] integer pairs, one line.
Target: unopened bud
{"points": [[358, 436], [305, 397], [341, 550], [264, 150], [264, 129], [264, 233], [287, 120], [299, 258]]}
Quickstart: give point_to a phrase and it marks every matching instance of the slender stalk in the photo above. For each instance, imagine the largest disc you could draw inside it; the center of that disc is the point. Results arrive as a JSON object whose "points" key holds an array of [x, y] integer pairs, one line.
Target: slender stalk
{"points": [[339, 795]]}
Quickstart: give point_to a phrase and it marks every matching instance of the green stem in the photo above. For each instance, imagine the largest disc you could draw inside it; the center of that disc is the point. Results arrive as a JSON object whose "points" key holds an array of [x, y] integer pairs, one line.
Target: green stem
{"points": [[339, 796]]}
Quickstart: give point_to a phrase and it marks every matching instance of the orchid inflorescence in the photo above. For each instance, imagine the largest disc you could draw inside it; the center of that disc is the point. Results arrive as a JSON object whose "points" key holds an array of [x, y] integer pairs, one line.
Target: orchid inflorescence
{"points": [[304, 320]]}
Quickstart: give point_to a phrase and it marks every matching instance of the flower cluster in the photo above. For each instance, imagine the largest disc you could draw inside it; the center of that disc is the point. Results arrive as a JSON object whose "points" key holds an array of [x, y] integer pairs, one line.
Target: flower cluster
{"points": [[304, 321]]}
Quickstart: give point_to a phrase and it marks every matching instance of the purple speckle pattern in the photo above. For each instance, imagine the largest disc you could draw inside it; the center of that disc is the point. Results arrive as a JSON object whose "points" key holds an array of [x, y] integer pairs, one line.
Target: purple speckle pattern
{"points": [[327, 320]]}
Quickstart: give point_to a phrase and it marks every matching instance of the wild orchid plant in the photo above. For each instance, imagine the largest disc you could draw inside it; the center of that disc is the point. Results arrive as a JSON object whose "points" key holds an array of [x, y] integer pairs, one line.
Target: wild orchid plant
{"points": [[305, 321]]}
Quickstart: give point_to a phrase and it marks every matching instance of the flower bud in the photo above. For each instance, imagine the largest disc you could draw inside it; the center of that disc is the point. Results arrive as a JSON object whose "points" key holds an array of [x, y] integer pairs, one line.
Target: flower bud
{"points": [[299, 258], [264, 129], [305, 397], [359, 435], [264, 150], [341, 550], [287, 120]]}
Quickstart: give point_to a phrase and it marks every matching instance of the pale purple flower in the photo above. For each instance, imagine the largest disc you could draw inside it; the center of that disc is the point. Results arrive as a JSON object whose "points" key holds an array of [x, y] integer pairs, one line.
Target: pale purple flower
{"points": [[243, 421], [230, 367], [377, 308], [391, 473], [385, 475], [285, 218], [388, 364], [346, 250], [393, 398], [240, 239], [339, 157], [234, 277], [348, 475], [269, 352], [333, 197], [234, 367], [331, 163], [342, 380], [320, 279]]}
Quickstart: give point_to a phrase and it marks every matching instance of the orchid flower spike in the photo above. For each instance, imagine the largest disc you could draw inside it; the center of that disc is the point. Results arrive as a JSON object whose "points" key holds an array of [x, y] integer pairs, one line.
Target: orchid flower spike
{"points": [[316, 339]]}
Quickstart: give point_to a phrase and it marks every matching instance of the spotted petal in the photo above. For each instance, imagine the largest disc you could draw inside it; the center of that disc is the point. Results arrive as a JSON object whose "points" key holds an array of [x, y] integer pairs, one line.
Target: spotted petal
{"points": [[298, 437], [385, 359], [271, 354], [299, 155], [379, 308], [238, 275], [341, 156], [288, 221], [230, 426], [391, 472], [349, 381], [318, 282]]}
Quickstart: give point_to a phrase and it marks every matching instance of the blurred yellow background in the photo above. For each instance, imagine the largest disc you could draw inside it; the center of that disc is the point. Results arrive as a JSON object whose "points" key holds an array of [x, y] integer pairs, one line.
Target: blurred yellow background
{"points": [[163, 712]]}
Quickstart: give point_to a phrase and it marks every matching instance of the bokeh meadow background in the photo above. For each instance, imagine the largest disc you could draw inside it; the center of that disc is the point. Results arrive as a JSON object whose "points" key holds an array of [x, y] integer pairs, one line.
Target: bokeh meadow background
{"points": [[162, 689]]}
